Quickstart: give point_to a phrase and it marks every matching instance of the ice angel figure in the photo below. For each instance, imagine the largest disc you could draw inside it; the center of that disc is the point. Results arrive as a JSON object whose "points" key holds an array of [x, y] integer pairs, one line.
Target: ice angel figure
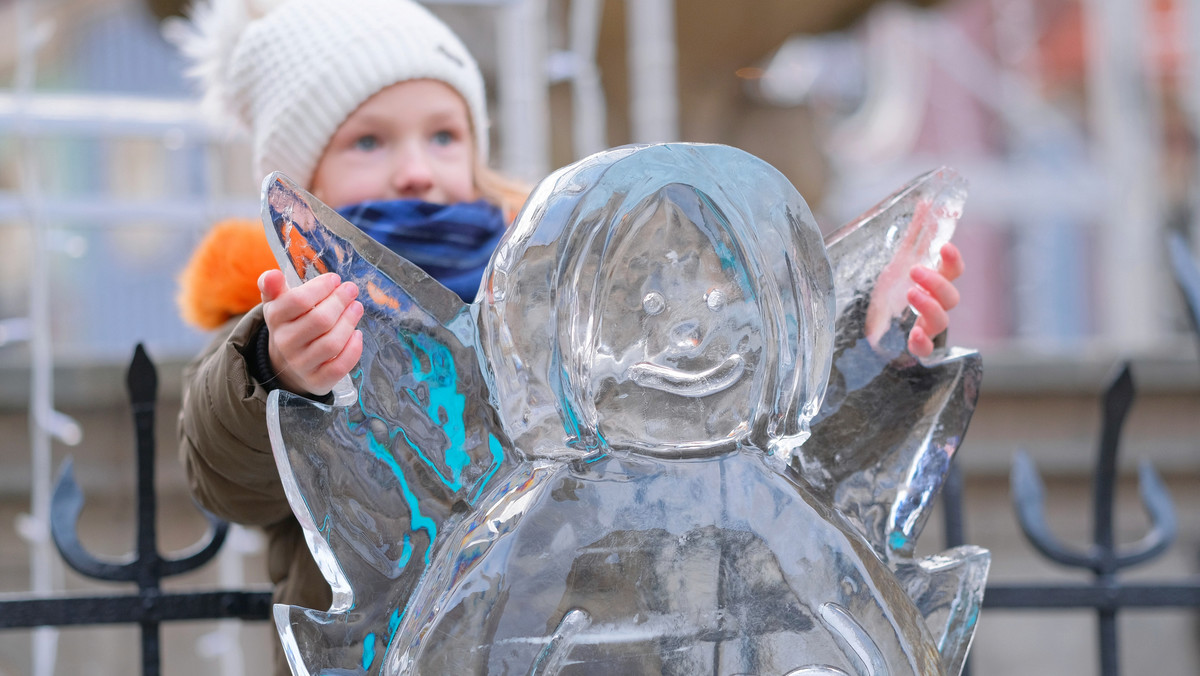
{"points": [[617, 459]]}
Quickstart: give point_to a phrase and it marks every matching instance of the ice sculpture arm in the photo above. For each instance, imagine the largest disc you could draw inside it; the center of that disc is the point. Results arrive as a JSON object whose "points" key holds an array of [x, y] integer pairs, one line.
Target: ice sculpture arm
{"points": [[877, 258], [906, 239], [410, 442], [876, 387], [890, 424]]}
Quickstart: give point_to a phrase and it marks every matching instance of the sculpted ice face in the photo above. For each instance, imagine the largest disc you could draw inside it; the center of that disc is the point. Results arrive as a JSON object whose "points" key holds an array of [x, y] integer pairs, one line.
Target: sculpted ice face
{"points": [[678, 337], [629, 313]]}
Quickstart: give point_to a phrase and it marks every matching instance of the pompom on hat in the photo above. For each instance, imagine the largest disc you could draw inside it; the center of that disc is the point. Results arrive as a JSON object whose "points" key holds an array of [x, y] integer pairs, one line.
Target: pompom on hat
{"points": [[289, 72]]}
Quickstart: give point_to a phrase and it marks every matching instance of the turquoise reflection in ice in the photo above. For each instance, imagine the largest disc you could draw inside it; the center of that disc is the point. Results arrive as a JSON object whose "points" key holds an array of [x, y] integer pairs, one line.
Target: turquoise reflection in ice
{"points": [[410, 441], [620, 458]]}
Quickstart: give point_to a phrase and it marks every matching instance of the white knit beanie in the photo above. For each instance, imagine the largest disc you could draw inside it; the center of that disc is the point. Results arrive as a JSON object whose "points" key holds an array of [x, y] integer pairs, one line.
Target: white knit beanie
{"points": [[291, 72]]}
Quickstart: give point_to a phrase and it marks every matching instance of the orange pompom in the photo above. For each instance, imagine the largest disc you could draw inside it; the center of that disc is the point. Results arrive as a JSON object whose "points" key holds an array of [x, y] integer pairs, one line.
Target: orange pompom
{"points": [[221, 279]]}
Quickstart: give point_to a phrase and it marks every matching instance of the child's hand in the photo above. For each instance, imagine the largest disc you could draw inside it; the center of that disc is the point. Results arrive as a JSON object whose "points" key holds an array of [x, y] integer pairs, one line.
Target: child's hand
{"points": [[313, 341], [932, 296]]}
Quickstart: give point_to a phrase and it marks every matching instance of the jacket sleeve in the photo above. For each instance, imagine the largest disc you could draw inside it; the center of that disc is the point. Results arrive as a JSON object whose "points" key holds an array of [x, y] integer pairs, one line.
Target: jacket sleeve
{"points": [[223, 440]]}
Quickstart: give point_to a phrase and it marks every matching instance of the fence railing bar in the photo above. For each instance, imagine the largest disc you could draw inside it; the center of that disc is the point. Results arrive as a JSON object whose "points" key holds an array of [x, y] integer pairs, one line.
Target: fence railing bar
{"points": [[132, 609], [1067, 597]]}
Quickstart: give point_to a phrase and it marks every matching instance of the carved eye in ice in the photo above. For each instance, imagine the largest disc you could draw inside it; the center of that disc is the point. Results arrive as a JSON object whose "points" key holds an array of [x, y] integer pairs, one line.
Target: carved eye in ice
{"points": [[678, 342], [653, 303]]}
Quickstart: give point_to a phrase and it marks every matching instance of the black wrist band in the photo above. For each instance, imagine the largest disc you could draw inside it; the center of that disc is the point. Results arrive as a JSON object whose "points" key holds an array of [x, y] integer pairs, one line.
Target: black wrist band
{"points": [[263, 373]]}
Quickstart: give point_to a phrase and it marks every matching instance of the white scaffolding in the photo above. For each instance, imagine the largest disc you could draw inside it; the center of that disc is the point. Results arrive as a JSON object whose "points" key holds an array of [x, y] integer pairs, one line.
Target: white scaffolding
{"points": [[525, 69]]}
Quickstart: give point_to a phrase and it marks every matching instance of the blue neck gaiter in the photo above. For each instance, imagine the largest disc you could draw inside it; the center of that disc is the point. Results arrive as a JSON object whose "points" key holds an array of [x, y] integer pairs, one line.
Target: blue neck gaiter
{"points": [[451, 242]]}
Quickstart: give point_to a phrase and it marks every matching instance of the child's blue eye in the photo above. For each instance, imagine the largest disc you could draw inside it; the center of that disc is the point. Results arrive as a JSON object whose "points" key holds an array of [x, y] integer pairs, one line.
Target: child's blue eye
{"points": [[443, 138], [367, 143]]}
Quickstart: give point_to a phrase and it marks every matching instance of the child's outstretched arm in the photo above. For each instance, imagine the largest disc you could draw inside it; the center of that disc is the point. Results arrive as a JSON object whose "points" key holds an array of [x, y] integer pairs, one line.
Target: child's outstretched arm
{"points": [[932, 297], [313, 341]]}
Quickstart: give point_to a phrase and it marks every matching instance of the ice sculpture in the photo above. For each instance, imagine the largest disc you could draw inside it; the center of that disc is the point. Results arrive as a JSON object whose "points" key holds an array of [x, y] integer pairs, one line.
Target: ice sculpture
{"points": [[605, 464]]}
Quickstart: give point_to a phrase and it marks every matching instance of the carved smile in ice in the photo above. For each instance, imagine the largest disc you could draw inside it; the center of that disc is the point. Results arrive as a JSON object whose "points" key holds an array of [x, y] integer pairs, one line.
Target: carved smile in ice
{"points": [[687, 383]]}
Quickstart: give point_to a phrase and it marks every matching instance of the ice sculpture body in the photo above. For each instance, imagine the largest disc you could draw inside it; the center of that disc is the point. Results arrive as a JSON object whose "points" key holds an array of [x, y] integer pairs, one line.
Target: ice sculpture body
{"points": [[601, 466]]}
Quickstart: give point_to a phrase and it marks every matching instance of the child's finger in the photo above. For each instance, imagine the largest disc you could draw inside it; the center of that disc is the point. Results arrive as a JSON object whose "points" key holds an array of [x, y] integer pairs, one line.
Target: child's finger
{"points": [[333, 370], [328, 345], [325, 315], [952, 264], [933, 318], [289, 305], [270, 284], [936, 285], [296, 336], [919, 342], [308, 352]]}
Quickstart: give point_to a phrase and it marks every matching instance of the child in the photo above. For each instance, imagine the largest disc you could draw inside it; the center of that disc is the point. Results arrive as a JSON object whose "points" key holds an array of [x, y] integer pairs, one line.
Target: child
{"points": [[377, 106], [379, 109]]}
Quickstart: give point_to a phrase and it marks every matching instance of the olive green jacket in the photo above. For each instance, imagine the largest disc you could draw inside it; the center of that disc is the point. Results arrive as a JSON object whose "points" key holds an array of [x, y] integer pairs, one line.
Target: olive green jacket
{"points": [[224, 448]]}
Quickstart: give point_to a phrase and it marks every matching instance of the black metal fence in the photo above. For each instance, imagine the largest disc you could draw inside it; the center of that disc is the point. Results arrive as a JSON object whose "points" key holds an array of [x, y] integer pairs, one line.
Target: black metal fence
{"points": [[149, 607], [1106, 594]]}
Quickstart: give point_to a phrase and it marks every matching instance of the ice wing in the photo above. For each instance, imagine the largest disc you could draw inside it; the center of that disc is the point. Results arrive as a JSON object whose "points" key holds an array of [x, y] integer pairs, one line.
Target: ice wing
{"points": [[890, 425], [409, 441], [876, 388]]}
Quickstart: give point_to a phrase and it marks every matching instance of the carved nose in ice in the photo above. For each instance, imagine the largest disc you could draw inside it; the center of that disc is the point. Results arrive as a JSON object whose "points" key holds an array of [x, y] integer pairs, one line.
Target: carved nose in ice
{"points": [[686, 334]]}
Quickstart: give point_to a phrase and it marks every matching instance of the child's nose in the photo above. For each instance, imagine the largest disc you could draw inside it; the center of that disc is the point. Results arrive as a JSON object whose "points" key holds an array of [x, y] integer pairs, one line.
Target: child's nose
{"points": [[412, 174]]}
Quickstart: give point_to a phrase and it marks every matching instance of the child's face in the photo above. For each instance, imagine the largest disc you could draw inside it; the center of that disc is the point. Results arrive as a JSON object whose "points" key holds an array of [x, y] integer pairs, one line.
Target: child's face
{"points": [[412, 140]]}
